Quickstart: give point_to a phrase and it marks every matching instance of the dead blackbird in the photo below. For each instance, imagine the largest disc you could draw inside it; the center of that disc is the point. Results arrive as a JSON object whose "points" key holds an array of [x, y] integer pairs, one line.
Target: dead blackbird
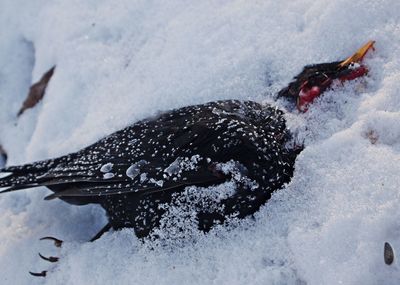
{"points": [[135, 173]]}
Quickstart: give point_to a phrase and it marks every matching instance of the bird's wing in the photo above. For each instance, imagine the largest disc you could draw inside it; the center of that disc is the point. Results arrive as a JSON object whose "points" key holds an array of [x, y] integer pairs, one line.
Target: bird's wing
{"points": [[145, 178], [176, 149], [143, 174]]}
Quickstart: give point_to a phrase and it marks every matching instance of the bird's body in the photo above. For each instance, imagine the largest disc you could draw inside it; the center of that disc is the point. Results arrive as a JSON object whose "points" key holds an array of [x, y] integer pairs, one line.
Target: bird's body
{"points": [[135, 171], [135, 174]]}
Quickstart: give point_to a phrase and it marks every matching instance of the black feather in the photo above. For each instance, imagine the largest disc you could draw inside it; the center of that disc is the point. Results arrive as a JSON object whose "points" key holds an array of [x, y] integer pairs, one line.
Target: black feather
{"points": [[135, 170]]}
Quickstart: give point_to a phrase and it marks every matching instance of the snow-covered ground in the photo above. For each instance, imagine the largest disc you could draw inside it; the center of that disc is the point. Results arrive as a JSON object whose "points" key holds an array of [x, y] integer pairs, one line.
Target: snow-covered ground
{"points": [[121, 61]]}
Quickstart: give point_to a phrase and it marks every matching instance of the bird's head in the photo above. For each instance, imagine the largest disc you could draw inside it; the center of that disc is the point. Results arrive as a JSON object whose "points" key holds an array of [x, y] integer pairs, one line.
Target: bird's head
{"points": [[316, 78]]}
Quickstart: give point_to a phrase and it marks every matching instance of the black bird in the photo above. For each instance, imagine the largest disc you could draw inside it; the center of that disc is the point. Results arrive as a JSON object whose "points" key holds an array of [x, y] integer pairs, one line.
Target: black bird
{"points": [[135, 173]]}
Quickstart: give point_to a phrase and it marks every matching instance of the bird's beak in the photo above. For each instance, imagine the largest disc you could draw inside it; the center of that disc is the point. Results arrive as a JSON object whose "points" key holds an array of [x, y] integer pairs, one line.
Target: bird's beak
{"points": [[359, 55]]}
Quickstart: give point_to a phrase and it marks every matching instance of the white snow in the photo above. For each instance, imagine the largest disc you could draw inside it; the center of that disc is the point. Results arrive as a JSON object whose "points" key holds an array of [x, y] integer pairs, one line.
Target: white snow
{"points": [[238, 173], [134, 169], [143, 177], [108, 175], [181, 164], [158, 183], [106, 167], [121, 61], [174, 168], [5, 174]]}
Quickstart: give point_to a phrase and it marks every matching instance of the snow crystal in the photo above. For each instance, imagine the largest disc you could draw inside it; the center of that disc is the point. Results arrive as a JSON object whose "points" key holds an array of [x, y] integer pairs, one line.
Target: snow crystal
{"points": [[159, 183], [106, 167], [143, 177], [238, 173], [108, 175], [181, 164], [173, 168], [134, 169]]}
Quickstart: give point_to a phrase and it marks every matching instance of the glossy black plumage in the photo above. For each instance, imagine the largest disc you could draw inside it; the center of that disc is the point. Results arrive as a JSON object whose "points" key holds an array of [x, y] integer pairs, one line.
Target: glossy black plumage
{"points": [[133, 171]]}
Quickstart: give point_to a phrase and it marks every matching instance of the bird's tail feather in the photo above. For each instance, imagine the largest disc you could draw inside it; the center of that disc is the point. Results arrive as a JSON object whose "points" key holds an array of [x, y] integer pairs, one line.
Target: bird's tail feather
{"points": [[26, 176]]}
